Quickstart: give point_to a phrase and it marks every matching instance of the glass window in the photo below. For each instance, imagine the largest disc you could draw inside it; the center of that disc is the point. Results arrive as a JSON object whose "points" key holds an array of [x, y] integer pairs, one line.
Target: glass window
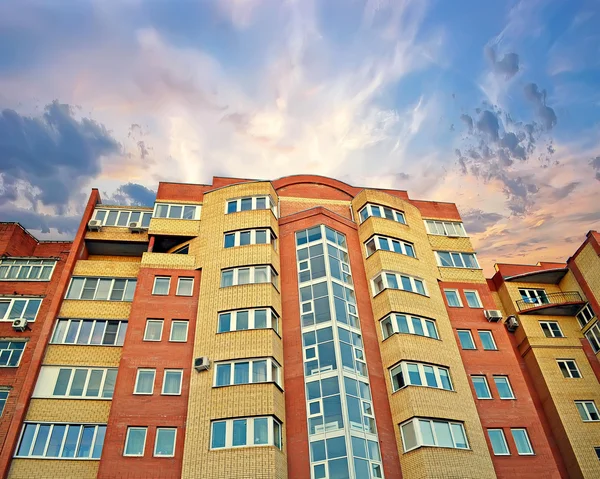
{"points": [[569, 368], [172, 381], [503, 387], [487, 340], [164, 445], [218, 434], [482, 390], [522, 442], [587, 411], [135, 441], [161, 285], [472, 298], [179, 331], [185, 286], [154, 329], [551, 329], [466, 339], [453, 298], [144, 383], [226, 278], [239, 432], [498, 441], [229, 240]]}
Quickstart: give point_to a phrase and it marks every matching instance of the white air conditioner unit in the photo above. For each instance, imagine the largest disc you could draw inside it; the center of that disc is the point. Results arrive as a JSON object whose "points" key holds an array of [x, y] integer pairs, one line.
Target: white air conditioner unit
{"points": [[19, 324], [201, 364], [136, 227], [95, 225], [512, 323], [493, 315]]}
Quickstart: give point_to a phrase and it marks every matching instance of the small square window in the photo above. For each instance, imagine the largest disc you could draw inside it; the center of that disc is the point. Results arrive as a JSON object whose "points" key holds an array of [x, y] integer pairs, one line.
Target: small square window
{"points": [[161, 286], [453, 298], [473, 300], [229, 240], [466, 339], [135, 442], [164, 445], [551, 329], [185, 287], [179, 331], [154, 329]]}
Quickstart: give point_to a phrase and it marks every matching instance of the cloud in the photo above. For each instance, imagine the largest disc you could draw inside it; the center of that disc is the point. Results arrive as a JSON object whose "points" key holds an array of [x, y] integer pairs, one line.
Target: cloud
{"points": [[595, 164], [508, 65], [33, 220], [478, 221], [488, 124], [564, 191], [132, 194], [538, 98]]}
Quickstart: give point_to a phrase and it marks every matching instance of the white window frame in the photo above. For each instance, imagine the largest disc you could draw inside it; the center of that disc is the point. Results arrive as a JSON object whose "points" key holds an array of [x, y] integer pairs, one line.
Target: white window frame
{"points": [[271, 365], [491, 336], [10, 341], [398, 216], [253, 233], [272, 275], [143, 214], [471, 336], [137, 380], [409, 321], [166, 371], [187, 327], [179, 280], [386, 284], [588, 415], [376, 240], [552, 332], [593, 337], [272, 319], [156, 279], [403, 366], [485, 382], [452, 290], [197, 209], [463, 263], [4, 393], [269, 202], [18, 263], [69, 321], [532, 453], [585, 315], [476, 293], [49, 376], [271, 440], [495, 377], [503, 437], [443, 228], [128, 281], [162, 324], [158, 429], [129, 429], [567, 363], [419, 438], [11, 304]]}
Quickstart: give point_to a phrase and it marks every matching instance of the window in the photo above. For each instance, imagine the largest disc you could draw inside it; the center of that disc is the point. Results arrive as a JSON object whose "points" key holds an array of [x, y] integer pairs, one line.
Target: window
{"points": [[398, 281], [588, 411], [246, 237], [445, 228], [96, 332], [473, 299], [183, 250], [498, 441], [593, 336], [419, 432], [101, 289], [185, 286], [177, 212], [482, 390], [453, 298], [253, 431], [455, 259], [144, 382], [172, 382], [466, 339], [249, 371], [179, 331], [15, 269], [164, 446], [389, 244], [585, 315], [487, 340], [135, 442], [16, 308], [60, 440], [11, 352], [248, 275], [597, 450], [244, 319], [251, 203], [551, 329], [408, 324], [418, 374], [153, 330], [534, 296], [503, 386], [569, 368], [522, 442], [161, 285], [122, 218], [75, 382], [381, 212], [3, 399]]}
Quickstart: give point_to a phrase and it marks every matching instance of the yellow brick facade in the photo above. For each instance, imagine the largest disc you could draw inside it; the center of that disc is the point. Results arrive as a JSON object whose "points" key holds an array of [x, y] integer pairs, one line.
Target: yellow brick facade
{"points": [[53, 469], [588, 263], [68, 410]]}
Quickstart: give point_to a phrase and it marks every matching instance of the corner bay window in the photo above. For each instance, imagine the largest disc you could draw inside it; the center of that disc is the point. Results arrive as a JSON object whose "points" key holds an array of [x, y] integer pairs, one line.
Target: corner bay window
{"points": [[381, 212], [419, 432], [250, 371], [239, 432], [452, 259], [66, 441], [408, 324], [249, 275], [397, 281], [585, 315], [418, 374], [247, 237], [389, 244], [101, 289], [593, 336], [244, 319], [251, 203]]}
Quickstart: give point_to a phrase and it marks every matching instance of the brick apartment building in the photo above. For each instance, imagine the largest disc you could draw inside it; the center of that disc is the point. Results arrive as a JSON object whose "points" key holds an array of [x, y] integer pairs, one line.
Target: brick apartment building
{"points": [[295, 328]]}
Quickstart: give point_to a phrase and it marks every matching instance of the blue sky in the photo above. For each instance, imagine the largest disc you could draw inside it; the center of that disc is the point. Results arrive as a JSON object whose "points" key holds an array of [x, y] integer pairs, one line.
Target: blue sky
{"points": [[492, 105]]}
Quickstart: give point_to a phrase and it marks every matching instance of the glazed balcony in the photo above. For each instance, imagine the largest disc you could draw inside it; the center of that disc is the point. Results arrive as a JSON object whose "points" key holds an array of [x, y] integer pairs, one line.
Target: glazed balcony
{"points": [[566, 303]]}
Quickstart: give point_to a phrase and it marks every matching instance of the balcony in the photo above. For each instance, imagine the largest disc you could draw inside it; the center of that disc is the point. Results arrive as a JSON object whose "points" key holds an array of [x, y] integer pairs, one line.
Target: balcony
{"points": [[566, 303]]}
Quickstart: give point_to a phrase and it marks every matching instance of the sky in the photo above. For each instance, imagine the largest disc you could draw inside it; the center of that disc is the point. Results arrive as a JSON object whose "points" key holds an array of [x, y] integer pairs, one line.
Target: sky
{"points": [[492, 105]]}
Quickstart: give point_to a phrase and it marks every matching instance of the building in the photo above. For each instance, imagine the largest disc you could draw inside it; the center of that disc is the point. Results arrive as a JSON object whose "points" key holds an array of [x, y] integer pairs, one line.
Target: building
{"points": [[304, 328]]}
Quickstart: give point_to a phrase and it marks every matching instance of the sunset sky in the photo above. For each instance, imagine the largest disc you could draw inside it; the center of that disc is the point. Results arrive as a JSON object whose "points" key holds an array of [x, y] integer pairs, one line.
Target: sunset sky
{"points": [[494, 105]]}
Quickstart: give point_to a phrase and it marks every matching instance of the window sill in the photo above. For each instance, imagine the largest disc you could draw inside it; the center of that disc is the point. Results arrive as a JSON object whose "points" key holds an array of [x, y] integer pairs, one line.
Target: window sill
{"points": [[468, 449], [94, 345], [70, 398], [402, 291], [249, 329], [410, 334], [58, 458], [248, 384], [428, 387]]}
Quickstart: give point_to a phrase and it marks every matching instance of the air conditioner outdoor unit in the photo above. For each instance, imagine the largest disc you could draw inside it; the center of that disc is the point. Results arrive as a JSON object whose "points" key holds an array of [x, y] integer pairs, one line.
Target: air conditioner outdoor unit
{"points": [[201, 364], [19, 324], [136, 227], [493, 315], [94, 225], [512, 323]]}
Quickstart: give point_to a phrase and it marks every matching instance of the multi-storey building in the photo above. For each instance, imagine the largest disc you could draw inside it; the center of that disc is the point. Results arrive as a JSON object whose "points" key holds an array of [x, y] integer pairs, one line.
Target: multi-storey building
{"points": [[304, 328]]}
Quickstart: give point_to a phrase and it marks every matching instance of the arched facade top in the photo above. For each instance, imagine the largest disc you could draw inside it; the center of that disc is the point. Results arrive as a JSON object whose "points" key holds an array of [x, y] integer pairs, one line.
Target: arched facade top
{"points": [[290, 184]]}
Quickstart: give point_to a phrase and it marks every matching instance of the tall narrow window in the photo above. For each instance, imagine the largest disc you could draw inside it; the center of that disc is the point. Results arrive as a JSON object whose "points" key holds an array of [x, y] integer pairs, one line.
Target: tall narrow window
{"points": [[522, 442], [164, 445], [135, 442], [498, 441]]}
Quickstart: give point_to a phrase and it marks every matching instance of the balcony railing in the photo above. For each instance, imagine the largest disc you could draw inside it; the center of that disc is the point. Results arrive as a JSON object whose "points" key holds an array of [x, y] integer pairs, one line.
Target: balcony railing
{"points": [[550, 300]]}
